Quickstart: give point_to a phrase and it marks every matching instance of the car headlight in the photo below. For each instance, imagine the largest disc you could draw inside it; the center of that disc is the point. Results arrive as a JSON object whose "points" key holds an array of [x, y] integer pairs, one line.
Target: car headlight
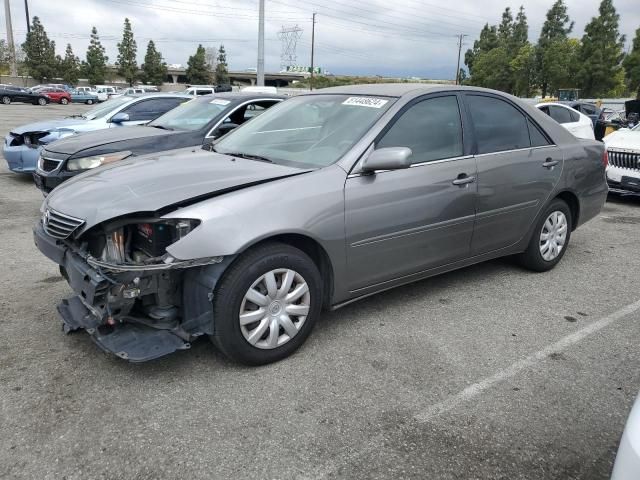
{"points": [[87, 163]]}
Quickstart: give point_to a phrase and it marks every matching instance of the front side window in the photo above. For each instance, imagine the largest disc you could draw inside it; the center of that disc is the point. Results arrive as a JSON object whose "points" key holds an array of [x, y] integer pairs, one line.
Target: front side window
{"points": [[107, 107], [308, 130], [432, 129], [498, 125], [152, 108]]}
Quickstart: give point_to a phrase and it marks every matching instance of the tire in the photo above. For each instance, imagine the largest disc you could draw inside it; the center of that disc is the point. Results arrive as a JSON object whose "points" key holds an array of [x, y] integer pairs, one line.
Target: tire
{"points": [[42, 102], [533, 257], [249, 273], [6, 100], [64, 101], [89, 102]]}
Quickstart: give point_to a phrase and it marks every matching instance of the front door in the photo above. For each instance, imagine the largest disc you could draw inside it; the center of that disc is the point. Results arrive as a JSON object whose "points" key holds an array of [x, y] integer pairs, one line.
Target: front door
{"points": [[406, 221], [518, 169]]}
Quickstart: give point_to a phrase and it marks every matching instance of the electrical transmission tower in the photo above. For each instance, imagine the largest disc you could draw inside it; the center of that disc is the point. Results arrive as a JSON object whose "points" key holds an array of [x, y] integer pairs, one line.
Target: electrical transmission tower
{"points": [[289, 37]]}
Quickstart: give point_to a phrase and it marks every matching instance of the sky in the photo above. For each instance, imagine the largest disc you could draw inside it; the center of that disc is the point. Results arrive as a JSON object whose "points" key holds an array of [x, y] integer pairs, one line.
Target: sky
{"points": [[368, 37]]}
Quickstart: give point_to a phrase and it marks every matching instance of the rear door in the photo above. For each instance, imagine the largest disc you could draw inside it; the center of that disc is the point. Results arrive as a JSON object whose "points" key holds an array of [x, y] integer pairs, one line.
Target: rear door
{"points": [[403, 222], [518, 168]]}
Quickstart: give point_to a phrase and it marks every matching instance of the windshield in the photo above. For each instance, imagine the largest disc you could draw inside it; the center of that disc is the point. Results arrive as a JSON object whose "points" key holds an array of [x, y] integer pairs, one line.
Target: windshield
{"points": [[310, 130], [191, 115], [107, 107]]}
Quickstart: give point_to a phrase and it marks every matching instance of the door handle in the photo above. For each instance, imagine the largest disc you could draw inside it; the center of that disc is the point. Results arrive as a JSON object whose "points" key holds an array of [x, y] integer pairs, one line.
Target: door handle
{"points": [[550, 163], [463, 180]]}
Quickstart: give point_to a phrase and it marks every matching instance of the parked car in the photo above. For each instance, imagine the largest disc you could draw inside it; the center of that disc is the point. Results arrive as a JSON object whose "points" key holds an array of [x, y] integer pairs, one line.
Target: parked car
{"points": [[23, 144], [106, 92], [623, 172], [203, 119], [10, 94], [577, 123], [223, 88], [257, 89], [56, 95], [324, 199], [197, 90], [627, 464], [81, 96], [597, 116]]}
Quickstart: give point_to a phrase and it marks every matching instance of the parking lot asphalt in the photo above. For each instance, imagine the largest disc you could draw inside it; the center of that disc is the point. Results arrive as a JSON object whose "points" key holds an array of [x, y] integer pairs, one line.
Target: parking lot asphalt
{"points": [[490, 372]]}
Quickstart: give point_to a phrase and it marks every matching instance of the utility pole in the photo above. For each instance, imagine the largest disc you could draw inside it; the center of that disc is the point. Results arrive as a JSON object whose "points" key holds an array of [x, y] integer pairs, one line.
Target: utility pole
{"points": [[26, 11], [260, 70], [12, 48], [313, 44], [460, 40]]}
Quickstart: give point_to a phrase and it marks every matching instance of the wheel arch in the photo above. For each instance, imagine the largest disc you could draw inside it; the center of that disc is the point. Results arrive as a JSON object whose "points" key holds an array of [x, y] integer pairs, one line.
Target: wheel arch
{"points": [[571, 199], [313, 249]]}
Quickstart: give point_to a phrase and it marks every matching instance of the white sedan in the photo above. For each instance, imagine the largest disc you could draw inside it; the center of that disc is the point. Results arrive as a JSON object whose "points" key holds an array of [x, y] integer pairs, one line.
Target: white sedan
{"points": [[627, 463], [576, 122]]}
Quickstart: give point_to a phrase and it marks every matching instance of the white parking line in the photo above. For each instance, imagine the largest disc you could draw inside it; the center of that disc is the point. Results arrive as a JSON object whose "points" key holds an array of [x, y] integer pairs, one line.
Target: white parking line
{"points": [[432, 411]]}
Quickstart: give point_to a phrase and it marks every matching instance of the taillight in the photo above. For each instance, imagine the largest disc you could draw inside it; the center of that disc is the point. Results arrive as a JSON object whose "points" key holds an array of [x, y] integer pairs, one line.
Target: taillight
{"points": [[605, 158]]}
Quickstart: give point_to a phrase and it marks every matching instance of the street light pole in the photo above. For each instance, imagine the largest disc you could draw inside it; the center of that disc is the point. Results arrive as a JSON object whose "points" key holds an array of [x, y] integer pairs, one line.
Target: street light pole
{"points": [[260, 70], [10, 45], [26, 11], [313, 44]]}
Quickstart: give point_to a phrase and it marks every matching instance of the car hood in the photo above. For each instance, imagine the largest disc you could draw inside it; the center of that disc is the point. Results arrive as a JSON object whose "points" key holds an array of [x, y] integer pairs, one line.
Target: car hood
{"points": [[624, 138], [50, 125], [73, 144], [154, 182]]}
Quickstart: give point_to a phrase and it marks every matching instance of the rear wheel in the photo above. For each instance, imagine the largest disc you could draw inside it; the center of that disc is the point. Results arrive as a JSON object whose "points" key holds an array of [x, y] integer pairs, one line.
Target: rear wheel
{"points": [[266, 304], [64, 101], [90, 102], [6, 100], [550, 239]]}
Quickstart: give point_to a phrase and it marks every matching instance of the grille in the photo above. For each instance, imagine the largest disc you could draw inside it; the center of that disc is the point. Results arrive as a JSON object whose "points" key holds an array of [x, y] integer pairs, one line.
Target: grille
{"points": [[58, 225], [49, 165], [624, 159]]}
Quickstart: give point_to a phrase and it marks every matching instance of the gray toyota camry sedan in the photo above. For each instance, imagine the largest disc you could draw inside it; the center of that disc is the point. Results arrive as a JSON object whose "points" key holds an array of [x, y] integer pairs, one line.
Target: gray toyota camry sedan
{"points": [[322, 200]]}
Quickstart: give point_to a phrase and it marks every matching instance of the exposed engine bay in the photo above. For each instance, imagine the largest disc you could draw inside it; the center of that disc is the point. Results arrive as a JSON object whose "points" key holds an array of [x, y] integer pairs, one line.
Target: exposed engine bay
{"points": [[130, 289]]}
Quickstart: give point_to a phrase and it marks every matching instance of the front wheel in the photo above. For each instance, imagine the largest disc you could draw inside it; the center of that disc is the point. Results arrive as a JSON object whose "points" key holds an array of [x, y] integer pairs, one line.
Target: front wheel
{"points": [[6, 100], [266, 304], [64, 101], [550, 239], [42, 101]]}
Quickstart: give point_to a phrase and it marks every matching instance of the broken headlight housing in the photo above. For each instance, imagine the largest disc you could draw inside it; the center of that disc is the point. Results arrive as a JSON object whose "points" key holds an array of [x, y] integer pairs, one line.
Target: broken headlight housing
{"points": [[87, 163]]}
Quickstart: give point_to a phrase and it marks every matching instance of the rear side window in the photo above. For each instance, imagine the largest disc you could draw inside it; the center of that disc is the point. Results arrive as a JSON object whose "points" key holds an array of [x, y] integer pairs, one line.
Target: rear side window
{"points": [[537, 137], [560, 114], [588, 109], [431, 129], [498, 125]]}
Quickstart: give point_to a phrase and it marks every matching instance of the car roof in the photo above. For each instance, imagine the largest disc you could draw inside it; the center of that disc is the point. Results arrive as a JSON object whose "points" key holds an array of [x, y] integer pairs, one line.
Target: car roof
{"points": [[240, 96], [158, 95], [401, 89]]}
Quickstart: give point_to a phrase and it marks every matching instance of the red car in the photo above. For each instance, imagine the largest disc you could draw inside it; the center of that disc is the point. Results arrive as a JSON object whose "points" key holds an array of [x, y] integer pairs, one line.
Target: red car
{"points": [[57, 95]]}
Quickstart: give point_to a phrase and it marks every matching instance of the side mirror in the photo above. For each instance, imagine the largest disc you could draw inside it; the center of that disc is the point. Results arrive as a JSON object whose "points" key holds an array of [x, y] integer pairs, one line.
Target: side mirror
{"points": [[391, 158], [224, 128], [120, 117]]}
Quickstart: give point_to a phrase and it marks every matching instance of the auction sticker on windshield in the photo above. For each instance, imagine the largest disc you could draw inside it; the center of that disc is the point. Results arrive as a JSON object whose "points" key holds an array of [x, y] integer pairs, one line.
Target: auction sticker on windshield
{"points": [[366, 102]]}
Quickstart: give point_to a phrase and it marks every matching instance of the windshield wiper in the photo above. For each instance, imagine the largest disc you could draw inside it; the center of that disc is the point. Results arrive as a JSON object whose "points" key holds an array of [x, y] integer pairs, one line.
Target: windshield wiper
{"points": [[248, 156]]}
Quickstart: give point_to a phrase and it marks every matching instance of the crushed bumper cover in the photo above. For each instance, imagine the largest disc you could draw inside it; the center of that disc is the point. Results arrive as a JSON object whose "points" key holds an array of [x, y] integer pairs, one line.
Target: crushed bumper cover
{"points": [[130, 341]]}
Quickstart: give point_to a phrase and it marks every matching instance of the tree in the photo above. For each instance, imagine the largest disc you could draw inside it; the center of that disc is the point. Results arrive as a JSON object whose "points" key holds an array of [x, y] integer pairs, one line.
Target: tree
{"points": [[95, 67], [197, 69], [523, 66], [40, 53], [601, 52], [487, 41], [493, 70], [5, 57], [222, 73], [520, 34], [556, 27], [127, 51], [560, 59], [632, 66], [69, 67], [154, 69]]}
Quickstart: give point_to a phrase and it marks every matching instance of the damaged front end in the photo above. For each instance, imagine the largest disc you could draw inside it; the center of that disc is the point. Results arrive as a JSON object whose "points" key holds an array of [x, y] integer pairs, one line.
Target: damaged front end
{"points": [[133, 298]]}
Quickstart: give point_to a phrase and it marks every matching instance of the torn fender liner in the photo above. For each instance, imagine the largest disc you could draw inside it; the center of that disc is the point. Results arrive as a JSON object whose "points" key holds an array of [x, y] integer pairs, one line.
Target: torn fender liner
{"points": [[76, 316], [139, 343], [133, 342]]}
